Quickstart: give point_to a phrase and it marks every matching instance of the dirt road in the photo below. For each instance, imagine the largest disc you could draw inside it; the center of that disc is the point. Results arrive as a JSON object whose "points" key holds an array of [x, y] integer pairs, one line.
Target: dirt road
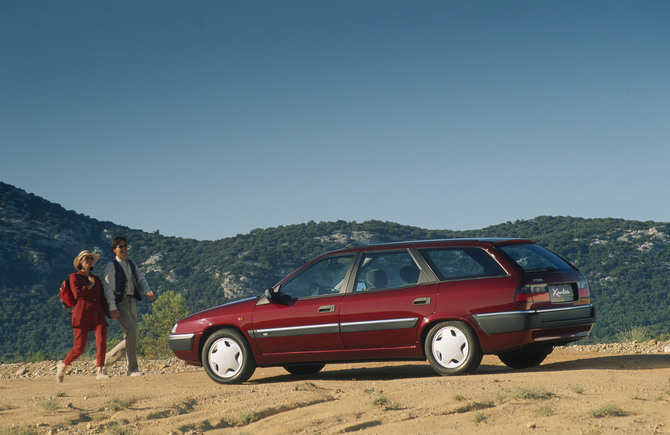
{"points": [[571, 392]]}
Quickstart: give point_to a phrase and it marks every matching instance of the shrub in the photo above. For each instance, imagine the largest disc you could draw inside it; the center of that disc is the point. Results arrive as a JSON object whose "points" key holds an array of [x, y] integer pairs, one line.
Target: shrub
{"points": [[577, 389], [118, 404], [532, 393], [50, 405], [155, 328], [634, 333], [379, 400], [607, 411]]}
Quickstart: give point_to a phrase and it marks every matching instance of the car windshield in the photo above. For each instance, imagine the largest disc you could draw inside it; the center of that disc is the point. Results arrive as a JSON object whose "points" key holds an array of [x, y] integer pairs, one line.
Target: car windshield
{"points": [[534, 258]]}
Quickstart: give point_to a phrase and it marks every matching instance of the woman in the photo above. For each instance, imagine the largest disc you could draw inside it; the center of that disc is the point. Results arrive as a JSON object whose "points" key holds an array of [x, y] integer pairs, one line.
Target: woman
{"points": [[88, 314]]}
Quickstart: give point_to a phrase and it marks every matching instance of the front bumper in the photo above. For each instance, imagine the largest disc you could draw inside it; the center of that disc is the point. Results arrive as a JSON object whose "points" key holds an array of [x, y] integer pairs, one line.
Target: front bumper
{"points": [[181, 342]]}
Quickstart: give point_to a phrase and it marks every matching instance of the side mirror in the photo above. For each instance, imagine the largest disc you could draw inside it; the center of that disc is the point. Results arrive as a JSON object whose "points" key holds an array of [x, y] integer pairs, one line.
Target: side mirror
{"points": [[268, 297]]}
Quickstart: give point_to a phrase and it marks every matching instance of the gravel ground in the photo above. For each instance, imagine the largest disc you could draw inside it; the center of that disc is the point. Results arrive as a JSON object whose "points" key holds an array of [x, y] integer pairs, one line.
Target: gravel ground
{"points": [[84, 367], [174, 365]]}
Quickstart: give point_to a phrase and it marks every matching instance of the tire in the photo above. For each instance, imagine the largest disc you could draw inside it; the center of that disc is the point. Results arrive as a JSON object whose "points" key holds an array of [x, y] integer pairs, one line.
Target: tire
{"points": [[452, 348], [526, 357], [304, 369], [227, 358]]}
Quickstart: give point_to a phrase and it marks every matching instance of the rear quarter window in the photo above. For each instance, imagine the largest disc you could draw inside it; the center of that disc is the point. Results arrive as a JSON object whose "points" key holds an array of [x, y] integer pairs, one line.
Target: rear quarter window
{"points": [[462, 263], [535, 258]]}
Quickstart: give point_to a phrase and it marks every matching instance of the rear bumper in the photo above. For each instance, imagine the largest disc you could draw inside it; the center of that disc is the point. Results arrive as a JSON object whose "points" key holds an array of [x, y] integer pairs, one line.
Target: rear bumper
{"points": [[517, 321]]}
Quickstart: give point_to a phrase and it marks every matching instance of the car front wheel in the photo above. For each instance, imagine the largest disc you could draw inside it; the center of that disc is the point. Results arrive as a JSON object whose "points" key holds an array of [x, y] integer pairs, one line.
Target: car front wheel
{"points": [[452, 348], [227, 357]]}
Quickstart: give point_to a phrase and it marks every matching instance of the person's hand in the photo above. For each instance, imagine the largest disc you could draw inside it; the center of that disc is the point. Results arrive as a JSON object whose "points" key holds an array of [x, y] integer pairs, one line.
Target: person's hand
{"points": [[91, 280], [150, 295], [114, 314]]}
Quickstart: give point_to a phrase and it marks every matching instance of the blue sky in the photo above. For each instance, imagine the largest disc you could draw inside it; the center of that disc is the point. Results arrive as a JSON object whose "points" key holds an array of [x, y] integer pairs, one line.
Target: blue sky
{"points": [[208, 119]]}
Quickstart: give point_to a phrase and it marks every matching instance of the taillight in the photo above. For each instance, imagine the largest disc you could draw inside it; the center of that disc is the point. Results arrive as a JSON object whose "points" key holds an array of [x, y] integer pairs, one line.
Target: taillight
{"points": [[583, 288], [532, 293]]}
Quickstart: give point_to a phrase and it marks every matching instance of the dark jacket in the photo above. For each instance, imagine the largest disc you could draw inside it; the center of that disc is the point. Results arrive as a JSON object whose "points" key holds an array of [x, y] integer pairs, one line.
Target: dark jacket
{"points": [[120, 282]]}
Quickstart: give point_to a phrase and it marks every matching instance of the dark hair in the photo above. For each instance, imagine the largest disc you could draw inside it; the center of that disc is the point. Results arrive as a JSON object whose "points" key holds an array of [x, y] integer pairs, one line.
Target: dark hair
{"points": [[116, 241], [79, 266]]}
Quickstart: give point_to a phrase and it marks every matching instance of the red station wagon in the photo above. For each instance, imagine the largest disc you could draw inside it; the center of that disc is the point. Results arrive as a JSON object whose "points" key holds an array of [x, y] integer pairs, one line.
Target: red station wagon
{"points": [[447, 301]]}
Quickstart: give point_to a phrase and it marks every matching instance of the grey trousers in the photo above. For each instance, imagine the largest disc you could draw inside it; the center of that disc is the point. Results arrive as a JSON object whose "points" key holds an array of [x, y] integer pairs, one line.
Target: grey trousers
{"points": [[128, 323]]}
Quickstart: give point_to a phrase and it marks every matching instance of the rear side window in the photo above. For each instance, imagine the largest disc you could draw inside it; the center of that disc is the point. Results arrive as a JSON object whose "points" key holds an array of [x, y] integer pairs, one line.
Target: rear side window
{"points": [[535, 258], [461, 263]]}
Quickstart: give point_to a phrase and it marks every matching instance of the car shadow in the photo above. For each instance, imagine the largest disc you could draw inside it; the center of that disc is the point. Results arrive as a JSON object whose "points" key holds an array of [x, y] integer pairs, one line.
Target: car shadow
{"points": [[610, 362], [422, 370], [332, 373]]}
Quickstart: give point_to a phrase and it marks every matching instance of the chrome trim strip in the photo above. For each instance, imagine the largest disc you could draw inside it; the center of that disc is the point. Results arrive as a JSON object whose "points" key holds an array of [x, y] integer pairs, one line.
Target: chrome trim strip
{"points": [[502, 313], [373, 322], [543, 310], [334, 328], [182, 336], [288, 331], [577, 307], [295, 328]]}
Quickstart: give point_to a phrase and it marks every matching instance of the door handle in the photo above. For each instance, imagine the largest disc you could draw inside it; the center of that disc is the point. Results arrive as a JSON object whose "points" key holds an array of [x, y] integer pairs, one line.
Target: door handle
{"points": [[422, 301], [327, 309]]}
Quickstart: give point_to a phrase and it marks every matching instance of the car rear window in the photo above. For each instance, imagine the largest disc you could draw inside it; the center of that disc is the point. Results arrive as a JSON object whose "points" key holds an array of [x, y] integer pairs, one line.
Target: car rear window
{"points": [[461, 263], [535, 258]]}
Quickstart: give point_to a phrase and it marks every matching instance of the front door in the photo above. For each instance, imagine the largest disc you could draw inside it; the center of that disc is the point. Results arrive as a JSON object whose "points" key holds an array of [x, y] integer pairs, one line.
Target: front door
{"points": [[305, 315]]}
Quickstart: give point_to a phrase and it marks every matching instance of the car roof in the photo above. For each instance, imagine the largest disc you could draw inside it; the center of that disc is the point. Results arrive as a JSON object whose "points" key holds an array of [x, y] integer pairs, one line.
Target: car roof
{"points": [[433, 243]]}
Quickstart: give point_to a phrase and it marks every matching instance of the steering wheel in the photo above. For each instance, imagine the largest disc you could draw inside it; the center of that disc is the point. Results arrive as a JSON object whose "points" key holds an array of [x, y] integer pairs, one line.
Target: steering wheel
{"points": [[316, 289]]}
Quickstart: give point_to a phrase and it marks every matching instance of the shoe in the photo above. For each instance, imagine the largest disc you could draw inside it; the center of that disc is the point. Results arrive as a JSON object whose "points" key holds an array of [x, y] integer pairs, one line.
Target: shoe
{"points": [[102, 376], [60, 373], [136, 373]]}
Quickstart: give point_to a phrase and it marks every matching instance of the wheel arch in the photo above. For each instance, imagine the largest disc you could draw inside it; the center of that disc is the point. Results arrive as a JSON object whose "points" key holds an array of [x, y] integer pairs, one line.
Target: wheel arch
{"points": [[215, 328], [430, 322]]}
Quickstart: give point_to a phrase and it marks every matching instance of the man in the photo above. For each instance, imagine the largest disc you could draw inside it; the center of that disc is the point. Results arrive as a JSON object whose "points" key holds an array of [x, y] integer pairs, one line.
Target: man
{"points": [[124, 283]]}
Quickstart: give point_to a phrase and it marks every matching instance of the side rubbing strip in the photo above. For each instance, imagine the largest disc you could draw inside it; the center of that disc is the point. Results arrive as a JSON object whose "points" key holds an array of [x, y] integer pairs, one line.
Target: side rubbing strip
{"points": [[380, 325], [334, 328], [329, 328]]}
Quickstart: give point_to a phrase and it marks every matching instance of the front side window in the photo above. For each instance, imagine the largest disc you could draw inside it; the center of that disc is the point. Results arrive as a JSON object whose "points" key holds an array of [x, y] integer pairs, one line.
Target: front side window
{"points": [[323, 277], [384, 270], [461, 263]]}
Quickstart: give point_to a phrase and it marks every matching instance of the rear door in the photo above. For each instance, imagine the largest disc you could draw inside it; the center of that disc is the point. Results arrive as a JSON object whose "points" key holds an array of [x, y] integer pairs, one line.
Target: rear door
{"points": [[387, 303]]}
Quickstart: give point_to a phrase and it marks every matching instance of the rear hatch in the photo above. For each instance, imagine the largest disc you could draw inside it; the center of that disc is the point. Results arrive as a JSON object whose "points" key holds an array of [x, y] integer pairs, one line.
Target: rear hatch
{"points": [[549, 281]]}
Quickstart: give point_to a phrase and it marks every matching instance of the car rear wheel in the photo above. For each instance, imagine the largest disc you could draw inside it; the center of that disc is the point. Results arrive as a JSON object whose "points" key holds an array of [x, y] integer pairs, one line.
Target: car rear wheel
{"points": [[227, 357], [452, 348], [304, 369], [526, 357]]}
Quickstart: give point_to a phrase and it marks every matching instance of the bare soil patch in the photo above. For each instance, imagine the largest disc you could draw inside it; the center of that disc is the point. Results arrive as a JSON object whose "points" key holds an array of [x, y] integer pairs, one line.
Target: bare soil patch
{"points": [[576, 390]]}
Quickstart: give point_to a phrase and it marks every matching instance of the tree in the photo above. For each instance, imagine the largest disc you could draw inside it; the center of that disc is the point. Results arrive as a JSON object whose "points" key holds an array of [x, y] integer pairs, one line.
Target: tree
{"points": [[155, 327]]}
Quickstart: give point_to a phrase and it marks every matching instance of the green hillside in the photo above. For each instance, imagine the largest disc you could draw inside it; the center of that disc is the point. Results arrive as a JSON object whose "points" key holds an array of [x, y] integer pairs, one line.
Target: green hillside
{"points": [[627, 264]]}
